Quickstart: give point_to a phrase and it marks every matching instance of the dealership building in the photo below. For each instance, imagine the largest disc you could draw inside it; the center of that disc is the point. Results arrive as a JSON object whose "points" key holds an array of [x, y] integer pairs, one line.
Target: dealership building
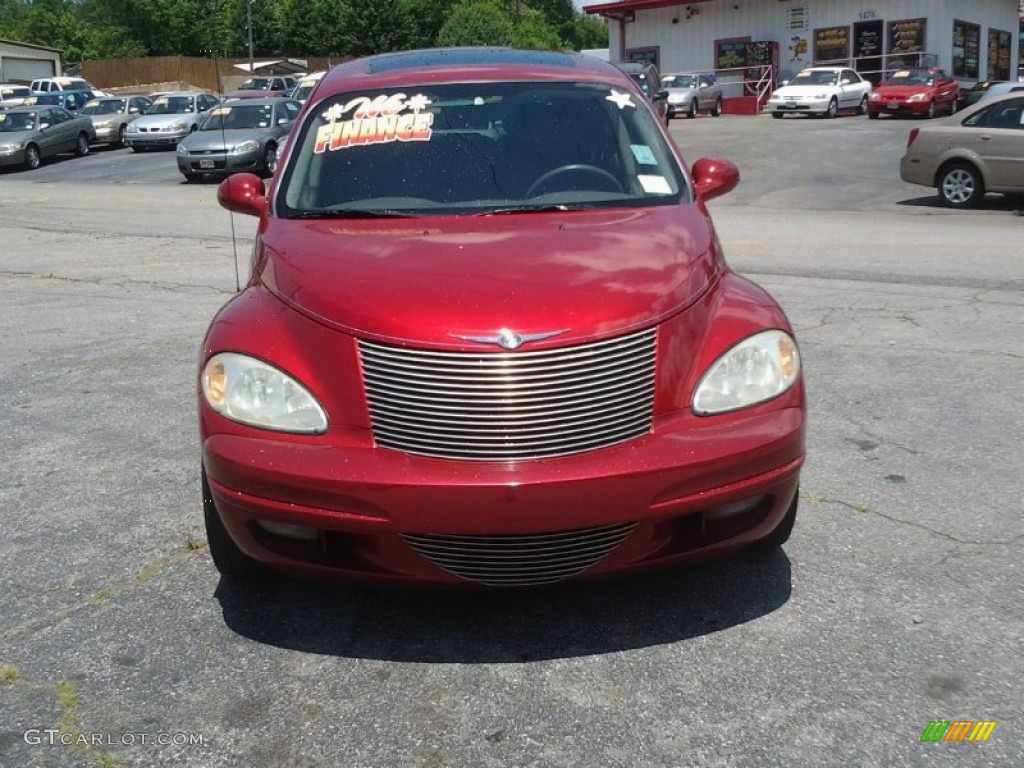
{"points": [[23, 63], [971, 39]]}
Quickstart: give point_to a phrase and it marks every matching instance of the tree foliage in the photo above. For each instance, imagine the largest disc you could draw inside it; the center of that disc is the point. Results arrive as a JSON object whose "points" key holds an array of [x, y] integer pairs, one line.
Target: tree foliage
{"points": [[92, 29]]}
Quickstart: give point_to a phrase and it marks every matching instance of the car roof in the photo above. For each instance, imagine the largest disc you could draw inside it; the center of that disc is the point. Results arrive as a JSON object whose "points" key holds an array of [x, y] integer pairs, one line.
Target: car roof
{"points": [[33, 108], [271, 100], [824, 69], [168, 94], [455, 65]]}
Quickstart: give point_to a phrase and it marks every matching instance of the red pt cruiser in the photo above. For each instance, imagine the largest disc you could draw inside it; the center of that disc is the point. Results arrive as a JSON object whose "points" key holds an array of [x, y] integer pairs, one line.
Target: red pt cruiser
{"points": [[490, 338]]}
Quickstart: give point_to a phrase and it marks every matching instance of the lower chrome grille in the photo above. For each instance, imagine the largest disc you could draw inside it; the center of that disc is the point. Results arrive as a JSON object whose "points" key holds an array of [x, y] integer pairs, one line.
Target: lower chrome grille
{"points": [[515, 561], [503, 406]]}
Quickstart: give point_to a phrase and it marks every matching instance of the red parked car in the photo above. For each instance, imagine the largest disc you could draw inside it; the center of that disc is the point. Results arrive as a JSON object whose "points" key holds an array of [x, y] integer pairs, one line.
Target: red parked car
{"points": [[923, 92], [490, 337]]}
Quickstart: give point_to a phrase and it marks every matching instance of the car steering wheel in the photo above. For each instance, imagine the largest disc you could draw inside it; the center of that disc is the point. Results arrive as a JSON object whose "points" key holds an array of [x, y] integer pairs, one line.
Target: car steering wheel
{"points": [[574, 168]]}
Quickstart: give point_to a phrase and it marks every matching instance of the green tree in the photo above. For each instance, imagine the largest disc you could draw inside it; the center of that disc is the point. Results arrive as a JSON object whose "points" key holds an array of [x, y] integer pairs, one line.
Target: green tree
{"points": [[532, 31], [377, 26], [583, 31], [477, 22]]}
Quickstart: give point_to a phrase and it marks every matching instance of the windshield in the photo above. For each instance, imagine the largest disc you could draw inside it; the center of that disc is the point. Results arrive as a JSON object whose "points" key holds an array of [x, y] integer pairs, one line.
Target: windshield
{"points": [[478, 148], [679, 81], [17, 121], [231, 118], [256, 84], [172, 105], [112, 107], [910, 77], [303, 89], [641, 80], [815, 78]]}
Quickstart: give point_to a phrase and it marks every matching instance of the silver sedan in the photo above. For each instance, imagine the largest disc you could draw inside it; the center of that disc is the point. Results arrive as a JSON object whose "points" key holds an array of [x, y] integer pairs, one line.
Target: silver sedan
{"points": [[29, 134], [110, 116], [241, 135]]}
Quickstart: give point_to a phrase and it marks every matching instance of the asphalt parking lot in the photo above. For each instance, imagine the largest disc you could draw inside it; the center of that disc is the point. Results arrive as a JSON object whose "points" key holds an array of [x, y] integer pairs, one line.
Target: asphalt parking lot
{"points": [[897, 602]]}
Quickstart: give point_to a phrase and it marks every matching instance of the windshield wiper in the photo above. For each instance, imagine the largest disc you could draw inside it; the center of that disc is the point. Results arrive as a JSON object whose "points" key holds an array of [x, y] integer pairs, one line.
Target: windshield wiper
{"points": [[353, 213], [546, 208]]}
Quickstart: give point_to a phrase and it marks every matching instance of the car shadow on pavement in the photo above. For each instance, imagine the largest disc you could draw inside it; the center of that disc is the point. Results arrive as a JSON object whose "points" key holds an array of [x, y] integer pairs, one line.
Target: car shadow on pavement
{"points": [[493, 626], [992, 202]]}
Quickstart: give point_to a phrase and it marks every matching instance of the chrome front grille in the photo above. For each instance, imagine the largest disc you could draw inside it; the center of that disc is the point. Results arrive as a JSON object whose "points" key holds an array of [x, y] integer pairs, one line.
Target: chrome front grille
{"points": [[504, 406], [515, 561]]}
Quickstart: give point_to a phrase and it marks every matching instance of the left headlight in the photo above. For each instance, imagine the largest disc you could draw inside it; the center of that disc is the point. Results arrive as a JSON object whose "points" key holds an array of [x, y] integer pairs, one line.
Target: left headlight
{"points": [[245, 146], [918, 97], [757, 369], [247, 390], [179, 126], [11, 147]]}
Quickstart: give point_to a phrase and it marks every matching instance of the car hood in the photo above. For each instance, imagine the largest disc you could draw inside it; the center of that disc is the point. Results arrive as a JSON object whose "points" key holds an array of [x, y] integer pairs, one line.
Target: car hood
{"points": [[803, 90], [901, 90], [589, 274], [14, 137], [215, 139], [160, 121]]}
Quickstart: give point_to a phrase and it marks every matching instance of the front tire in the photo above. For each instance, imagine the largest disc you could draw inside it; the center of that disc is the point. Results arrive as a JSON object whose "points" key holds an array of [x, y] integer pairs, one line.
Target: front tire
{"points": [[120, 136], [32, 157], [954, 105], [82, 145], [930, 112], [694, 109], [783, 531], [777, 115], [269, 161], [832, 110], [873, 115], [960, 185], [716, 111], [231, 562], [863, 108]]}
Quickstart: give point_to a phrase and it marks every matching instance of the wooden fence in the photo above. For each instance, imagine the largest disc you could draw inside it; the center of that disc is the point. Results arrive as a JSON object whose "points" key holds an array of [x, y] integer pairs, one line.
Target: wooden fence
{"points": [[186, 70]]}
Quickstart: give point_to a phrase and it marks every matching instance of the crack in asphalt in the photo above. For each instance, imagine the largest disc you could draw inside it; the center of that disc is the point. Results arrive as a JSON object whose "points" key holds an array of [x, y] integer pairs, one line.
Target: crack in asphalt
{"points": [[106, 234], [170, 287], [150, 571]]}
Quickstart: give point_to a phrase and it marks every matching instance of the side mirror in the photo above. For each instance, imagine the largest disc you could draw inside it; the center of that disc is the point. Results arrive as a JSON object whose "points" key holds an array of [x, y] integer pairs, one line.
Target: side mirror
{"points": [[244, 193], [661, 95], [845, 81], [713, 177], [784, 82], [43, 126]]}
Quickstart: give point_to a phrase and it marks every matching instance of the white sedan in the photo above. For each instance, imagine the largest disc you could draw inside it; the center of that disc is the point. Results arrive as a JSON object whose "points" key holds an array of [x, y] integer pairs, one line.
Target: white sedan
{"points": [[821, 91]]}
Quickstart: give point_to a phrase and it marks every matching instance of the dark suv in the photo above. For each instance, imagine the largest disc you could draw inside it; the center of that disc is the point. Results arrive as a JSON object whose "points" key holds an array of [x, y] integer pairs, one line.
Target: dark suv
{"points": [[647, 78]]}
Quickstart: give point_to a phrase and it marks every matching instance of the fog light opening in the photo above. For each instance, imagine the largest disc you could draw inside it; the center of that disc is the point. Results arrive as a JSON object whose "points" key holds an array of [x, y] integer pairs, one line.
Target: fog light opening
{"points": [[288, 531], [736, 508]]}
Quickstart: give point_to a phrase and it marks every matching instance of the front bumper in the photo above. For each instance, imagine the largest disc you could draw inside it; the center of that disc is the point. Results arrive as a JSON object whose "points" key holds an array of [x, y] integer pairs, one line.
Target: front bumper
{"points": [[154, 139], [691, 489], [916, 108], [802, 106], [220, 162], [108, 134], [12, 157]]}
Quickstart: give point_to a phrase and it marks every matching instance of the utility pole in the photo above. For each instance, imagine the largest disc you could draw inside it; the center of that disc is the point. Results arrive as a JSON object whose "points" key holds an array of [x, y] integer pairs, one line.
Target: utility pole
{"points": [[248, 11]]}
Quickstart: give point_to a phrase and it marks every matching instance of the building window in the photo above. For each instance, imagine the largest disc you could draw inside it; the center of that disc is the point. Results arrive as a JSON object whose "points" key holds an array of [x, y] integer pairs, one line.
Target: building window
{"points": [[999, 45], [731, 52], [906, 37], [644, 55], [832, 44], [966, 48]]}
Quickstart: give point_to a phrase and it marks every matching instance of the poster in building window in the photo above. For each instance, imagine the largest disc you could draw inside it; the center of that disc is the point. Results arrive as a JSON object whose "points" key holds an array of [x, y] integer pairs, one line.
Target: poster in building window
{"points": [[731, 52], [906, 36], [999, 43], [832, 44], [966, 48]]}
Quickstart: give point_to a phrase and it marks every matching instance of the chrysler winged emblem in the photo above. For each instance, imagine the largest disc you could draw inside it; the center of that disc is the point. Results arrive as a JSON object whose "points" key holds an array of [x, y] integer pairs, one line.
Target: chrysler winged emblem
{"points": [[509, 339]]}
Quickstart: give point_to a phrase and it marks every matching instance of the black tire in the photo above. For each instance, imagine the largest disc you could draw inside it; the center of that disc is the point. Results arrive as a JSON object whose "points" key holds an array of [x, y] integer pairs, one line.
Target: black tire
{"points": [[832, 110], [930, 113], [777, 115], [960, 185], [716, 111], [693, 110], [137, 148], [269, 160], [873, 115], [32, 157], [783, 531], [863, 108], [192, 178], [82, 145], [954, 105], [120, 135], [231, 562]]}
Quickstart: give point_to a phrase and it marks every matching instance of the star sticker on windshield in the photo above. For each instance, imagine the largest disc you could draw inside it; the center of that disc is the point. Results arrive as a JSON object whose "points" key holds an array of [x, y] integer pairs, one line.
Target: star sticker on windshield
{"points": [[418, 102], [334, 113], [622, 100]]}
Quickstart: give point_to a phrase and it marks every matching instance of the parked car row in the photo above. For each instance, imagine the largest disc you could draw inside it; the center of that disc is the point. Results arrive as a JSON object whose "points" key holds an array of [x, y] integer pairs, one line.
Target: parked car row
{"points": [[30, 134]]}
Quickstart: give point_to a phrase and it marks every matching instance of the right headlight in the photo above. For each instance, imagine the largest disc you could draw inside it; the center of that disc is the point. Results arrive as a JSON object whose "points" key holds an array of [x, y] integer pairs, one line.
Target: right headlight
{"points": [[757, 369], [244, 389]]}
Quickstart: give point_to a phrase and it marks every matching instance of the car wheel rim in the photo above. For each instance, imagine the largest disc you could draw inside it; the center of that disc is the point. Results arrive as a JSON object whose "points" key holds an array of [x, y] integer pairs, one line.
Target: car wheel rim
{"points": [[32, 157], [83, 145], [271, 160], [958, 186]]}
